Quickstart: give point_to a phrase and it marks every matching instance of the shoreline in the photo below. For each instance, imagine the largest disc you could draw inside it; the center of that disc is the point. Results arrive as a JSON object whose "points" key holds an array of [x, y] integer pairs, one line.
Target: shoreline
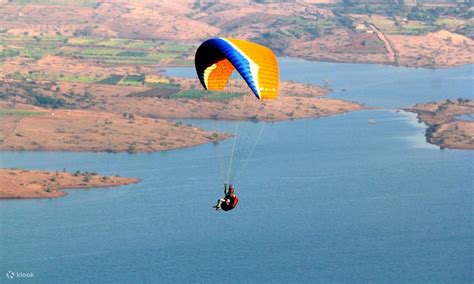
{"points": [[39, 184], [124, 123], [36, 129], [64, 193], [328, 60], [384, 63], [443, 129], [221, 136]]}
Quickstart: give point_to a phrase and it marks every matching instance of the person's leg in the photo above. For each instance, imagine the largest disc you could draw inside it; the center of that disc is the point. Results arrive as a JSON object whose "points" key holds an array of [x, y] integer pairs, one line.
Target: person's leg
{"points": [[219, 203]]}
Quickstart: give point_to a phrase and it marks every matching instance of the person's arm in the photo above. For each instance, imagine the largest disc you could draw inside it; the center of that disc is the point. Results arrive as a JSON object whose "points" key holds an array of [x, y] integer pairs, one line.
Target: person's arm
{"points": [[225, 188]]}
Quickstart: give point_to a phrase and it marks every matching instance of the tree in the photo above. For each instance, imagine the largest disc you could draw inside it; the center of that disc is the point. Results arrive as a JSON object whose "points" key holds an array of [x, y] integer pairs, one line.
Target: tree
{"points": [[86, 31]]}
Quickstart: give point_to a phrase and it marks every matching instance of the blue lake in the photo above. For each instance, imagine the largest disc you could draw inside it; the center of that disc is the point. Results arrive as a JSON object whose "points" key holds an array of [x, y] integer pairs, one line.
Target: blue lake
{"points": [[468, 117], [329, 199], [372, 84]]}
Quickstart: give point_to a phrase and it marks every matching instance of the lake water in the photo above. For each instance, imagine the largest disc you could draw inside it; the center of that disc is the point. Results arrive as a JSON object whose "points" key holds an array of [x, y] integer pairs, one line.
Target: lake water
{"points": [[372, 84], [329, 199], [468, 117]]}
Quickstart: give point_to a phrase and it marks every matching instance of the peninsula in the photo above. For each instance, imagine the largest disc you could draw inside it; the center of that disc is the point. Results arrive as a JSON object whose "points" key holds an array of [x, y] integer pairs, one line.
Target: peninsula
{"points": [[446, 127], [21, 184]]}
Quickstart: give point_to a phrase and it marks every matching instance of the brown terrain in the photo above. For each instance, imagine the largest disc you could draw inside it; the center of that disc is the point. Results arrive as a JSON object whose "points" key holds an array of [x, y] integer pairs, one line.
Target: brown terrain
{"points": [[81, 130], [117, 121], [54, 65], [444, 128], [437, 49], [104, 124], [19, 184], [296, 100], [306, 29], [286, 107], [442, 48], [340, 47]]}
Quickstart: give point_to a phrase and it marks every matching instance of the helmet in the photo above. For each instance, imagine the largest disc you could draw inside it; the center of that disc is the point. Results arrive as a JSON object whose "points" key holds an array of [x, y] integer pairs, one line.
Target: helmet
{"points": [[231, 189]]}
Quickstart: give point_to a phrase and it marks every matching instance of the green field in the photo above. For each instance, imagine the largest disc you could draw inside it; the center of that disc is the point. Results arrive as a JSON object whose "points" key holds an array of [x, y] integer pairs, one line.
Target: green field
{"points": [[132, 53], [111, 80], [42, 76], [8, 53], [162, 85], [409, 28], [120, 56], [132, 80], [202, 94], [81, 41], [111, 42], [122, 43], [140, 44], [385, 25], [190, 94], [129, 44], [451, 23], [416, 28], [19, 112], [304, 26], [111, 51], [175, 48], [76, 79], [34, 47], [223, 96], [97, 51]]}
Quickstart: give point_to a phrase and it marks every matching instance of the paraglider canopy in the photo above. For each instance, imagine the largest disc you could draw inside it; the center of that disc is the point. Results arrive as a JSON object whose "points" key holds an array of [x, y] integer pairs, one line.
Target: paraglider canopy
{"points": [[217, 58]]}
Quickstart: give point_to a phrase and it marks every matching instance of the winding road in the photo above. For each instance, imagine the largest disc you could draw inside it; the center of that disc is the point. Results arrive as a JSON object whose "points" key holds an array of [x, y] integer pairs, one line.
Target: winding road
{"points": [[392, 56]]}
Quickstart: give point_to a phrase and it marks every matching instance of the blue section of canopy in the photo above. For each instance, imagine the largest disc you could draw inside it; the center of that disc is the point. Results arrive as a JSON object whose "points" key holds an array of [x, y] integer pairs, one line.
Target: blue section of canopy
{"points": [[240, 63]]}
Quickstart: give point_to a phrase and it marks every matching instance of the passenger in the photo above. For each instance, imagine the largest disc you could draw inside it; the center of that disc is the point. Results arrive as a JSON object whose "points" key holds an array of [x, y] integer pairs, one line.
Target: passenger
{"points": [[229, 201]]}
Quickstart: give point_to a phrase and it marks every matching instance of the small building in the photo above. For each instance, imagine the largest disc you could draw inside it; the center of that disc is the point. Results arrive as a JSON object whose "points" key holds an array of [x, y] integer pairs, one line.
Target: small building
{"points": [[361, 28]]}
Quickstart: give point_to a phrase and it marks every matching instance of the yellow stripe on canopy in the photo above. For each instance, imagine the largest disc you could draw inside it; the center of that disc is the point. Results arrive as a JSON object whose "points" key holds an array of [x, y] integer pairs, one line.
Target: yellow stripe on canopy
{"points": [[268, 76]]}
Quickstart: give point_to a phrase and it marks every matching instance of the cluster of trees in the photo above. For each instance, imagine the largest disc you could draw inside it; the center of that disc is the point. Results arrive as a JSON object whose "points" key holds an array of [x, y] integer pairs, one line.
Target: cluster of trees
{"points": [[462, 101], [430, 131], [344, 21], [444, 106], [417, 12], [30, 93], [274, 40], [8, 53], [86, 31], [49, 102]]}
